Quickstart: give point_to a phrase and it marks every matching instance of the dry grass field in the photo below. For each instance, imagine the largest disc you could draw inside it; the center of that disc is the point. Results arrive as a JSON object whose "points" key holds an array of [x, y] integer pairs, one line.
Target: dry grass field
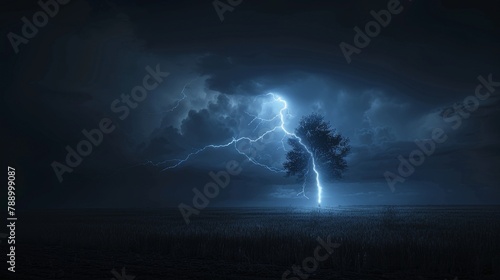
{"points": [[384, 242]]}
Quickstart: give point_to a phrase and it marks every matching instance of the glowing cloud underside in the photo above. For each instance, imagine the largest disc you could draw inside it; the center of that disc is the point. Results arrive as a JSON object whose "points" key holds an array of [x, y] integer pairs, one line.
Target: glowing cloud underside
{"points": [[280, 127]]}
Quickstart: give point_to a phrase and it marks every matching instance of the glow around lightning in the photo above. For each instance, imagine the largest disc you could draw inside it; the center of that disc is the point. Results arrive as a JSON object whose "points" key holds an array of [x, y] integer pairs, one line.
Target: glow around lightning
{"points": [[282, 118], [280, 127]]}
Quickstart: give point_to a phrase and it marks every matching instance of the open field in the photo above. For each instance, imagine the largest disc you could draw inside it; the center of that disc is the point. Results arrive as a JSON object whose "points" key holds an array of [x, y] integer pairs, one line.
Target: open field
{"points": [[251, 243]]}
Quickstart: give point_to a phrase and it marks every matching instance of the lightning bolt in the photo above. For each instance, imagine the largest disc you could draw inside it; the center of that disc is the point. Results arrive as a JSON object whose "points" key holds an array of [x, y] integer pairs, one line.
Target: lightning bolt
{"points": [[303, 192], [313, 161], [178, 101], [280, 127]]}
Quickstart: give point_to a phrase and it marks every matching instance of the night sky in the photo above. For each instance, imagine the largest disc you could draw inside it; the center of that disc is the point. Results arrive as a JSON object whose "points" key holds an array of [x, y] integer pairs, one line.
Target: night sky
{"points": [[408, 81]]}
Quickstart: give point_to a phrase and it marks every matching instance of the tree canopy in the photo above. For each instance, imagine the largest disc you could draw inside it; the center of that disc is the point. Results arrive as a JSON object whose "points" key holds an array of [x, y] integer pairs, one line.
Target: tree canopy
{"points": [[328, 148]]}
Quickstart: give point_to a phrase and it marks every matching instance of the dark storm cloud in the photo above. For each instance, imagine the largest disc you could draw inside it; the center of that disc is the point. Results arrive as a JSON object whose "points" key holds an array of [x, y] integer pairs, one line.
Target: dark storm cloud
{"points": [[426, 60], [211, 125]]}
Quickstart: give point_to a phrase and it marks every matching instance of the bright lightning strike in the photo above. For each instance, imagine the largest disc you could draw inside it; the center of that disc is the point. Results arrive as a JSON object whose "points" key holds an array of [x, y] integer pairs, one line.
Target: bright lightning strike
{"points": [[282, 118], [280, 127]]}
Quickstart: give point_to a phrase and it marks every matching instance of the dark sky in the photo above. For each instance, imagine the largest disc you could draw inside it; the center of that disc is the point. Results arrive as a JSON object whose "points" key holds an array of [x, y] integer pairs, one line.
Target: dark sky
{"points": [[398, 89]]}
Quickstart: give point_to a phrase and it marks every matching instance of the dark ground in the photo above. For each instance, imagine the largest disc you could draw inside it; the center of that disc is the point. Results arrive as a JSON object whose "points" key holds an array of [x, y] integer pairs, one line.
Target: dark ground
{"points": [[376, 243]]}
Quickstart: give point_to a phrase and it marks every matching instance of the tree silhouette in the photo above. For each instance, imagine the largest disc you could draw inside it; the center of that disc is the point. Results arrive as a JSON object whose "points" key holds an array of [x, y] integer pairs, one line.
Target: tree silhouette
{"points": [[326, 146]]}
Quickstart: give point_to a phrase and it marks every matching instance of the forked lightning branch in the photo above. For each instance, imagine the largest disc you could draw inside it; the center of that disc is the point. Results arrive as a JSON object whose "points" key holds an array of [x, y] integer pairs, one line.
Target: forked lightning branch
{"points": [[280, 127]]}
